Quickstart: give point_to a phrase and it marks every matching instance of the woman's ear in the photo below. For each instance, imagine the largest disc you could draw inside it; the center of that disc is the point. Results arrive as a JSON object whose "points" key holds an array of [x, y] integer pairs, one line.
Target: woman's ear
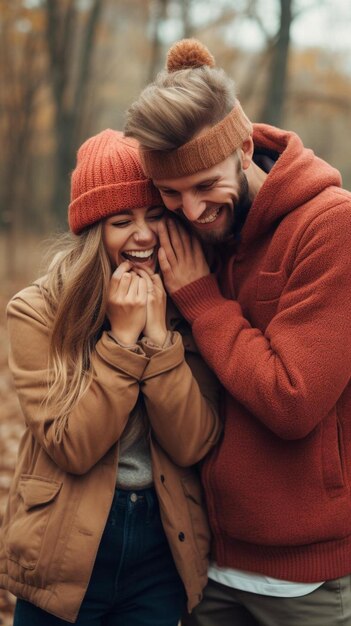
{"points": [[247, 150]]}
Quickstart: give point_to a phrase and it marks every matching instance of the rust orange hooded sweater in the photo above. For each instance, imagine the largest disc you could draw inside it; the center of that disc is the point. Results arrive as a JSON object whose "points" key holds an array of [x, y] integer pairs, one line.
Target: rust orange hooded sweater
{"points": [[275, 326]]}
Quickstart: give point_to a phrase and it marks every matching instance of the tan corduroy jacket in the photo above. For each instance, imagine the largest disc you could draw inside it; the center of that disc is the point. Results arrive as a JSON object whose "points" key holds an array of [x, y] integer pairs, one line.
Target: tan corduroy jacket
{"points": [[66, 472]]}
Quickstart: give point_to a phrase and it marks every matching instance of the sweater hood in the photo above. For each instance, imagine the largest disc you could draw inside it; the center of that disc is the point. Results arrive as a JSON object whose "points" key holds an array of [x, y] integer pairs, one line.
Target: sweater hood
{"points": [[296, 177]]}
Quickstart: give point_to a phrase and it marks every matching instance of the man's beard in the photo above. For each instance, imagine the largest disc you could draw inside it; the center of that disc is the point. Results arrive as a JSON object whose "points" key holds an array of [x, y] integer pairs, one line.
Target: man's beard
{"points": [[236, 216], [242, 207]]}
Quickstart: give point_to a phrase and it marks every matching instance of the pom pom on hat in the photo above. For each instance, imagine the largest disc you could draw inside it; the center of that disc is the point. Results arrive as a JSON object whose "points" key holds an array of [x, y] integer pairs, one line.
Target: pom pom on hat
{"points": [[205, 149], [188, 53]]}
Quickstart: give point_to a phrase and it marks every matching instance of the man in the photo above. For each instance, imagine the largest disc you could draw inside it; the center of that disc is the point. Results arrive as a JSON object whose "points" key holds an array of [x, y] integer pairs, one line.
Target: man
{"points": [[273, 321]]}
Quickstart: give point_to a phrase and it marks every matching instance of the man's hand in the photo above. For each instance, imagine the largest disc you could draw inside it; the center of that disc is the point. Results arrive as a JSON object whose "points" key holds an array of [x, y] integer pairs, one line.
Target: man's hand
{"points": [[180, 255]]}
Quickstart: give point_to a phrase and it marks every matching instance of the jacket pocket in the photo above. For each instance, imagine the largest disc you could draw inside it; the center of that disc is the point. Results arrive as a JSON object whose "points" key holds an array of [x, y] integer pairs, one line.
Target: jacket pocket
{"points": [[198, 518], [270, 285], [36, 497]]}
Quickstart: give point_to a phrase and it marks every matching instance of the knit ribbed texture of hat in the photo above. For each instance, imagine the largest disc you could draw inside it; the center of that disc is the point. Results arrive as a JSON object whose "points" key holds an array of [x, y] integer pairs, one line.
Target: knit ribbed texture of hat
{"points": [[211, 146], [108, 178]]}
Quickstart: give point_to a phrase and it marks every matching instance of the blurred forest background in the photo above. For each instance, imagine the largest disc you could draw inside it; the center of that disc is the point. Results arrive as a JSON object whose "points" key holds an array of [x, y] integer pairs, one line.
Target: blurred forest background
{"points": [[69, 68]]}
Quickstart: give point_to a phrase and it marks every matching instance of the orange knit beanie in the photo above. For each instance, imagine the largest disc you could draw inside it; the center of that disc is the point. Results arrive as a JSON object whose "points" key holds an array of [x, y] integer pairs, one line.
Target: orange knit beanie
{"points": [[210, 147], [107, 179]]}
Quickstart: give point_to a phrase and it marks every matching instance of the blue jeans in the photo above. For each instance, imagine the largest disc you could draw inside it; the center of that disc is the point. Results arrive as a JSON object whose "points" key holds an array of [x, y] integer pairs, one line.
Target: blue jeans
{"points": [[134, 580]]}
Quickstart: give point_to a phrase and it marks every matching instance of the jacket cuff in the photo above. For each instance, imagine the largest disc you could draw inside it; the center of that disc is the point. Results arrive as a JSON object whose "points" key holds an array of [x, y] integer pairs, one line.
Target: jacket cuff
{"points": [[133, 347], [121, 359], [198, 297], [149, 348], [166, 359]]}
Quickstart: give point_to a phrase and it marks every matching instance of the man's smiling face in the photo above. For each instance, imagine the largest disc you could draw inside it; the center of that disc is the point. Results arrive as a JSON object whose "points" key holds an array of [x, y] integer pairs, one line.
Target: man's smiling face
{"points": [[209, 199]]}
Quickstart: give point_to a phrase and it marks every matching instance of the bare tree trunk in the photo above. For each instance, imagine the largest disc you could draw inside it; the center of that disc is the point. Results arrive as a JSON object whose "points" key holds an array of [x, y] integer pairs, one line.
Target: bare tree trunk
{"points": [[272, 111], [159, 8], [69, 71], [21, 78]]}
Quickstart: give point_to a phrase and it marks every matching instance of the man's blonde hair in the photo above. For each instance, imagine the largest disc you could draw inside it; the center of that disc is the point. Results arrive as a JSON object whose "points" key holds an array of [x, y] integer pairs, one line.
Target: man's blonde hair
{"points": [[178, 105]]}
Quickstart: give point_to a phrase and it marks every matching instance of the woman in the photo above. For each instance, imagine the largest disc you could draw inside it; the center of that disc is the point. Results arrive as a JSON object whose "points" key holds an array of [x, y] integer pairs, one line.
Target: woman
{"points": [[105, 523]]}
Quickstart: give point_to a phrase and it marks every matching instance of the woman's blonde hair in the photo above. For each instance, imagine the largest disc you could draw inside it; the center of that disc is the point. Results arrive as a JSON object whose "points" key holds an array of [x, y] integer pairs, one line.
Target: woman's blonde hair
{"points": [[75, 290], [108, 178], [170, 111]]}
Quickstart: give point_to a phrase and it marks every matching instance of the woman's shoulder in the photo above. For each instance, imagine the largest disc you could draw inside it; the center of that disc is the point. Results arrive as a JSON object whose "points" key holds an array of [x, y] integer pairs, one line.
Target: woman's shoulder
{"points": [[31, 299]]}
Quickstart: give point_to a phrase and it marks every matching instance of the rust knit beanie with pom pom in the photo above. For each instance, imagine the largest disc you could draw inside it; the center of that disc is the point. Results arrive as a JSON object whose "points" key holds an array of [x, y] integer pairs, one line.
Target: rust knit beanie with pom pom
{"points": [[108, 178]]}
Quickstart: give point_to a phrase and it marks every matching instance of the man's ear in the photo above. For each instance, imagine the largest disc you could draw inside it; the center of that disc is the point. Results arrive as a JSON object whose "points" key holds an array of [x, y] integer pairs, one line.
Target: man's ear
{"points": [[247, 149]]}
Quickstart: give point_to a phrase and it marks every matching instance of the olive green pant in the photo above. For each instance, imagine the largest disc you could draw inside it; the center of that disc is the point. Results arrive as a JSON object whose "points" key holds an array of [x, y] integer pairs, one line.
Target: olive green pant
{"points": [[329, 605]]}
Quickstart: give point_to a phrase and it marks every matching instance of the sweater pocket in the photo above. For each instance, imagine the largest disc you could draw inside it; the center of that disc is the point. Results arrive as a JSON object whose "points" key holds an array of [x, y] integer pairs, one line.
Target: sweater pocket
{"points": [[36, 497], [270, 285], [332, 456], [197, 512]]}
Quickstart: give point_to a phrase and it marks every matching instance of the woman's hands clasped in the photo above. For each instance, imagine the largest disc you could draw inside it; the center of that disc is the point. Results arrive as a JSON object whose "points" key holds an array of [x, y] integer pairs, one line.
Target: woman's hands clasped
{"points": [[136, 305], [155, 328], [126, 304], [137, 298]]}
